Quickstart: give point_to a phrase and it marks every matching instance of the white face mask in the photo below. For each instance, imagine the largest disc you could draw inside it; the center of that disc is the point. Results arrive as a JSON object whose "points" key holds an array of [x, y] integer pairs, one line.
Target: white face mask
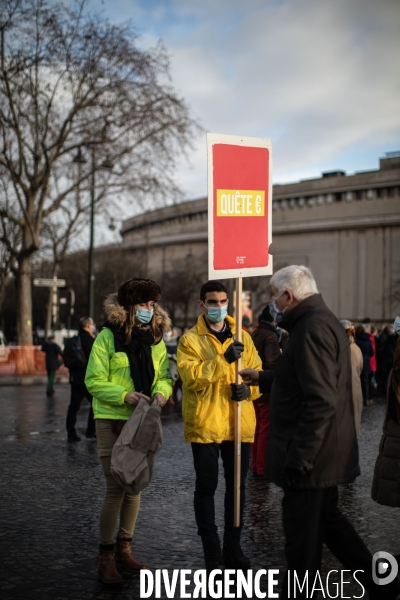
{"points": [[397, 325], [276, 314]]}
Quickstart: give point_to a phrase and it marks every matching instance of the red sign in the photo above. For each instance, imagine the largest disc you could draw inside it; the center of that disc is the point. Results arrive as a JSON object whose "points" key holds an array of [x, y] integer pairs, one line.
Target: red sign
{"points": [[239, 206]]}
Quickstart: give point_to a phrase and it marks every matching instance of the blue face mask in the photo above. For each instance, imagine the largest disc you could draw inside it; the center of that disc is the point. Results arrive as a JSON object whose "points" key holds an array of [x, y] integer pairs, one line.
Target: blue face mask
{"points": [[216, 314], [143, 315], [397, 325]]}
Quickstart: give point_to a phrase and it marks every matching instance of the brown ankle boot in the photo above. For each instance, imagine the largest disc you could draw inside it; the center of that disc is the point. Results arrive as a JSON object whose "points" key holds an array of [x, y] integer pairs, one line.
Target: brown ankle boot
{"points": [[124, 558], [108, 572]]}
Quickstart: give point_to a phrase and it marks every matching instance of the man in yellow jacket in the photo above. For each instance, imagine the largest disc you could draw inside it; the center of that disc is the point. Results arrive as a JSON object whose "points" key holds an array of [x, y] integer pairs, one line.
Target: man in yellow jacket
{"points": [[206, 361]]}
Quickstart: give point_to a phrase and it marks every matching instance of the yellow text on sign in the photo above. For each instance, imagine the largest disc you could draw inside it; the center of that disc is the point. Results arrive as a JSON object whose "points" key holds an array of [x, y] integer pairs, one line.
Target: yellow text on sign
{"points": [[240, 203]]}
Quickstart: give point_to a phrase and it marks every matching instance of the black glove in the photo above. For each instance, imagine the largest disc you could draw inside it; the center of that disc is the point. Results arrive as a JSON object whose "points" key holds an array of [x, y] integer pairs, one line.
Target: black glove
{"points": [[234, 351], [240, 391]]}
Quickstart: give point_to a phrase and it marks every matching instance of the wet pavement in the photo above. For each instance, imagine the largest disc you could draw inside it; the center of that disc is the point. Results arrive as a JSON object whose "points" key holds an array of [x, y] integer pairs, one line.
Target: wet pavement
{"points": [[51, 493]]}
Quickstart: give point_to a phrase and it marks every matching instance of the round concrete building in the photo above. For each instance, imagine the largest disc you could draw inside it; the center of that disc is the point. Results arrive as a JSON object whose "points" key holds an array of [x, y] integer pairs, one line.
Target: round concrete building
{"points": [[346, 228]]}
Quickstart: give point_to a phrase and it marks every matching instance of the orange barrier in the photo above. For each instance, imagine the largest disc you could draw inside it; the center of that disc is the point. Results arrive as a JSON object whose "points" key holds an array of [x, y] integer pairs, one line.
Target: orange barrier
{"points": [[24, 360]]}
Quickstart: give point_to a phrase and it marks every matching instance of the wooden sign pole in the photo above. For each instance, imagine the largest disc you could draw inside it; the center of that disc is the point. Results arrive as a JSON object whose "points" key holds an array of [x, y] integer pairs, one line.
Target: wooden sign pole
{"points": [[238, 410]]}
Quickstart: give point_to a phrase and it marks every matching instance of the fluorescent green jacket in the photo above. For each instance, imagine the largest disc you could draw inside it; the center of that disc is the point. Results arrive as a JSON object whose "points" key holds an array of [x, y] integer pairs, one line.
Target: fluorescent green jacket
{"points": [[108, 377]]}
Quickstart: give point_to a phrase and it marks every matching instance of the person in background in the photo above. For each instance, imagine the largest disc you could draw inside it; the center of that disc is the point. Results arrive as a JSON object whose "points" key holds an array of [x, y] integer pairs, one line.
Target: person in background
{"points": [[368, 327], [364, 343], [207, 354], [78, 387], [357, 364], [53, 362], [388, 346], [266, 340], [246, 323], [374, 367], [380, 375], [176, 332], [385, 485]]}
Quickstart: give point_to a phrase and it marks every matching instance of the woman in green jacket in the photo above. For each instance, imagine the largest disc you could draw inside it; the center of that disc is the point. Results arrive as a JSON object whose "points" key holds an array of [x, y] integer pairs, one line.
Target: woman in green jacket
{"points": [[128, 362]]}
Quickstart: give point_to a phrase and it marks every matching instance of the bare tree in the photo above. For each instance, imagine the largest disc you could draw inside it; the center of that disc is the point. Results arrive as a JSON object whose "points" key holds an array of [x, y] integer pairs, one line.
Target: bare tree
{"points": [[9, 243], [10, 236], [113, 265], [58, 231], [181, 288], [72, 83]]}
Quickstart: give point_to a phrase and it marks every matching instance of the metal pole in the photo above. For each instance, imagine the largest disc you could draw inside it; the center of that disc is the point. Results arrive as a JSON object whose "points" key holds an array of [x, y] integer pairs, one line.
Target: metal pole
{"points": [[238, 411], [71, 310], [91, 245], [55, 306]]}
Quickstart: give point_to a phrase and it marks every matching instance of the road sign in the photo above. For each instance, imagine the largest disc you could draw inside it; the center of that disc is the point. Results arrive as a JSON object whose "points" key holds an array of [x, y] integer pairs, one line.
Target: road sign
{"points": [[49, 283], [239, 206]]}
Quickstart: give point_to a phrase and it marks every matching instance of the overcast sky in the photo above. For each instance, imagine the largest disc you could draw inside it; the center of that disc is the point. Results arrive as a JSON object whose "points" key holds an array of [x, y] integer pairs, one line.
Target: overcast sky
{"points": [[321, 78]]}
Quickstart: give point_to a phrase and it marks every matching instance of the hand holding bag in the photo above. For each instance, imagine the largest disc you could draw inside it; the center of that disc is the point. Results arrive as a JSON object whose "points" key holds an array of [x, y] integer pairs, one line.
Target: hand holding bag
{"points": [[133, 454]]}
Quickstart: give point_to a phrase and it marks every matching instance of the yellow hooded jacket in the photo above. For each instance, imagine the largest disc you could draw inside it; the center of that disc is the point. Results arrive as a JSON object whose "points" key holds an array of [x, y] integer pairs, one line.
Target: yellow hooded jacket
{"points": [[208, 412]]}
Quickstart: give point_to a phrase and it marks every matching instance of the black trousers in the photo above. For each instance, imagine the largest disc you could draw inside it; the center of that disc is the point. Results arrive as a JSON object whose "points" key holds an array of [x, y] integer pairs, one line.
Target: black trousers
{"points": [[312, 518], [78, 392], [206, 466]]}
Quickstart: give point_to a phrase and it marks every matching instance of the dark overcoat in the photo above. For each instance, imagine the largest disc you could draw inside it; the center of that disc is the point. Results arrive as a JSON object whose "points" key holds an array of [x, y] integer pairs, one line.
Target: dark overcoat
{"points": [[77, 376], [312, 413], [266, 341], [365, 345], [386, 481]]}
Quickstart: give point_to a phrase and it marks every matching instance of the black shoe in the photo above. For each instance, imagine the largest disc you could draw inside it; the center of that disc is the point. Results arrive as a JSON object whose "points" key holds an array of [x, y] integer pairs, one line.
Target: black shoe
{"points": [[51, 393], [234, 558], [213, 558], [72, 437], [91, 436]]}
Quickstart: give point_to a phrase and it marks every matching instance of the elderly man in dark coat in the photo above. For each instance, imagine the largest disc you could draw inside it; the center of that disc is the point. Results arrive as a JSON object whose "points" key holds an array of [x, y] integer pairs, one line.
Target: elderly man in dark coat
{"points": [[313, 445]]}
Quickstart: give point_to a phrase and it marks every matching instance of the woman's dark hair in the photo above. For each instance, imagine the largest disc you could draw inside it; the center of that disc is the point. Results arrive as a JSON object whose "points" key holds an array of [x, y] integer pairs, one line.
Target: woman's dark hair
{"points": [[212, 286], [359, 329], [265, 315]]}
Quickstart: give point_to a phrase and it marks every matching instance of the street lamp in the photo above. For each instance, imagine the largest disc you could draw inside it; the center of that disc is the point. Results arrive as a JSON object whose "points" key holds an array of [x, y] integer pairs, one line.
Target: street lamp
{"points": [[107, 164]]}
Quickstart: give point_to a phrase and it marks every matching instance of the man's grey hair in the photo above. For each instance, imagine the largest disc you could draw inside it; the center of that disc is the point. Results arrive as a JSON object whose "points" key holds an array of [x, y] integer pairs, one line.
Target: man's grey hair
{"points": [[85, 322], [296, 279], [346, 323]]}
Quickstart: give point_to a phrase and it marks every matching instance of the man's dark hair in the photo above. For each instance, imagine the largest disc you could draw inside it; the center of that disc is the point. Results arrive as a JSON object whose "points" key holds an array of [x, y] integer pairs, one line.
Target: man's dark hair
{"points": [[51, 337], [212, 286], [85, 322], [265, 315]]}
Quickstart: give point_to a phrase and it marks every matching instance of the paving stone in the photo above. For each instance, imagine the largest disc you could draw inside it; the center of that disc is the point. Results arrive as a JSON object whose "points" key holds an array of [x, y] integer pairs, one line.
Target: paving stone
{"points": [[51, 494]]}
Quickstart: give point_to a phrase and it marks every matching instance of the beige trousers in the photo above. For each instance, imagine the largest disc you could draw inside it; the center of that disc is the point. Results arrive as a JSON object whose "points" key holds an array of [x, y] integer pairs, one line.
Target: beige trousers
{"points": [[117, 502]]}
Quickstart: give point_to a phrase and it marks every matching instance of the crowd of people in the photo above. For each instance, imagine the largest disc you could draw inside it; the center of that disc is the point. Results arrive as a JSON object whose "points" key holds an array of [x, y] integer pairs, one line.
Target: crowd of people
{"points": [[306, 377]]}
